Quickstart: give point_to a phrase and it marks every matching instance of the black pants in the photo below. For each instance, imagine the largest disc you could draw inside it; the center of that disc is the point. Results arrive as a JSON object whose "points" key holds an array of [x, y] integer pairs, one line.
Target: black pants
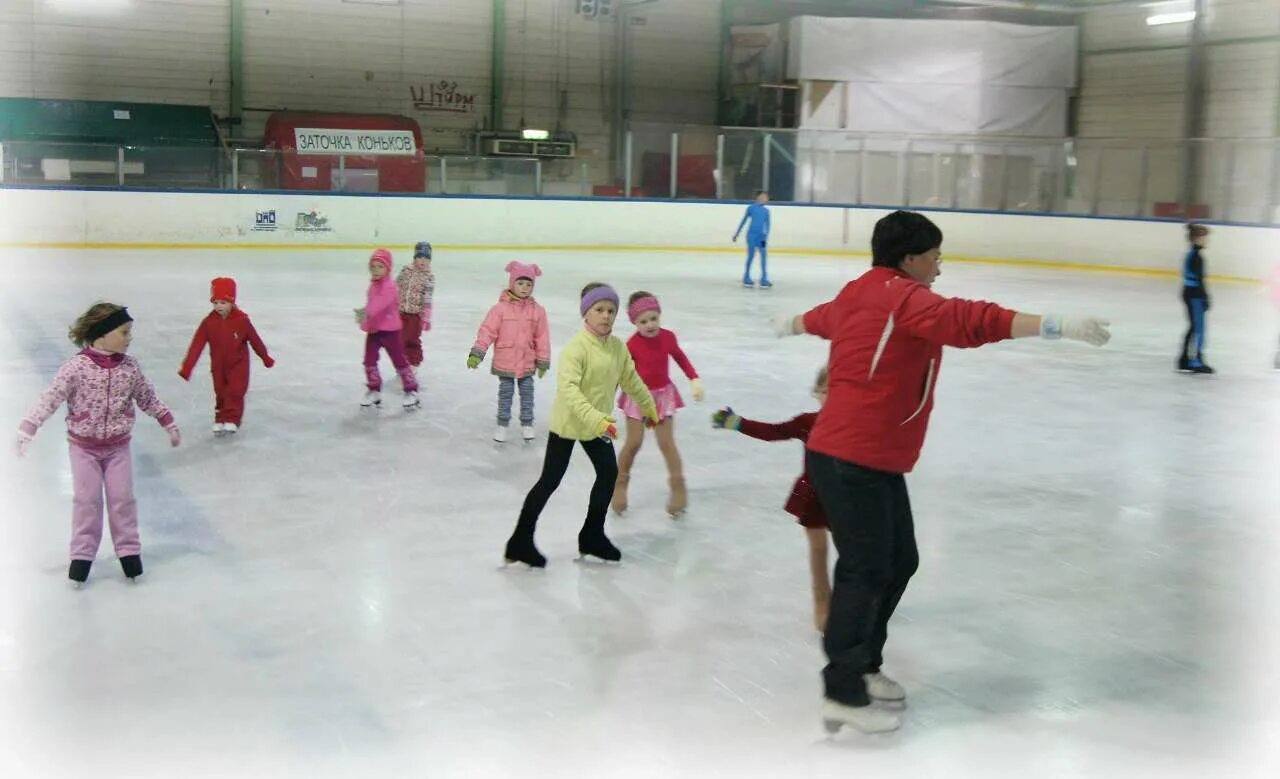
{"points": [[870, 518], [554, 465]]}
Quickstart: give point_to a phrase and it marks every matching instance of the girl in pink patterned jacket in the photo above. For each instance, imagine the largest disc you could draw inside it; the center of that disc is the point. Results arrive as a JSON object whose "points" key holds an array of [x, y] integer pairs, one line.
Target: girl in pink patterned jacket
{"points": [[517, 328], [100, 386]]}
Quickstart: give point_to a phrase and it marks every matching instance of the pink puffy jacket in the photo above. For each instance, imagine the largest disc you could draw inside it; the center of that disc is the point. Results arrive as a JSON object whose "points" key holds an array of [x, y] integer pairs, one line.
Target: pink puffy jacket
{"points": [[100, 391], [520, 336]]}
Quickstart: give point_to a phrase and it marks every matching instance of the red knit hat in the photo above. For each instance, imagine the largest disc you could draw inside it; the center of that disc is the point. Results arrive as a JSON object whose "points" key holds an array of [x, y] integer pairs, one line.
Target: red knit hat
{"points": [[223, 289]]}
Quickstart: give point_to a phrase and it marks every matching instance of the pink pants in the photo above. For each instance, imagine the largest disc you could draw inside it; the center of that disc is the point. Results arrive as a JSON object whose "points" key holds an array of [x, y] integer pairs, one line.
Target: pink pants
{"points": [[389, 340], [94, 470]]}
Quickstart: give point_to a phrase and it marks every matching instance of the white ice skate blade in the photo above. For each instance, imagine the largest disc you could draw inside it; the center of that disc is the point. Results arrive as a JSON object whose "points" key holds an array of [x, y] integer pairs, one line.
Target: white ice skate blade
{"points": [[868, 720], [590, 559], [518, 564]]}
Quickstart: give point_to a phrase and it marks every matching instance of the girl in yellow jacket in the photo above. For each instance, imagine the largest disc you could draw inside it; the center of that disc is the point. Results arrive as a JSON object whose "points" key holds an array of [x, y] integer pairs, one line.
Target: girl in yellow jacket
{"points": [[592, 367]]}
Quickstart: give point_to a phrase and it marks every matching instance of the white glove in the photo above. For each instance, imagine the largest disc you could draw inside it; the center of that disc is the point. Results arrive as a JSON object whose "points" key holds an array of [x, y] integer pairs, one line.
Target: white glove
{"points": [[698, 392], [21, 444], [175, 435], [784, 326], [1091, 330]]}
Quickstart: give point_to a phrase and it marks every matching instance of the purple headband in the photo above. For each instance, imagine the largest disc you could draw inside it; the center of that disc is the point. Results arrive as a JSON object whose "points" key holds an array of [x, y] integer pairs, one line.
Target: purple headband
{"points": [[596, 295]]}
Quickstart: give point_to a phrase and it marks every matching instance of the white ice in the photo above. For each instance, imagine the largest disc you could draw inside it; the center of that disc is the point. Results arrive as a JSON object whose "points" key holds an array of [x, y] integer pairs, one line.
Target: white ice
{"points": [[324, 596]]}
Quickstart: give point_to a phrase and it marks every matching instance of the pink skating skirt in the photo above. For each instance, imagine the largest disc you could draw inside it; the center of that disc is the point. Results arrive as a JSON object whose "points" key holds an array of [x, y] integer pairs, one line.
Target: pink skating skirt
{"points": [[667, 399]]}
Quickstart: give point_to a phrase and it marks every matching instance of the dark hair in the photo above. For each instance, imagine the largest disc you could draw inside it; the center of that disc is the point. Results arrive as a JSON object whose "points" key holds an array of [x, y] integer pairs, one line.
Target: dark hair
{"points": [[823, 379], [97, 313], [639, 294], [900, 234], [591, 286], [1196, 230]]}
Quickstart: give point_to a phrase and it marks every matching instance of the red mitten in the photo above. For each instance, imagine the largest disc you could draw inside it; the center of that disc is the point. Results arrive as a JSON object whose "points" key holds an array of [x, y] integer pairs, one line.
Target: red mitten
{"points": [[269, 362]]}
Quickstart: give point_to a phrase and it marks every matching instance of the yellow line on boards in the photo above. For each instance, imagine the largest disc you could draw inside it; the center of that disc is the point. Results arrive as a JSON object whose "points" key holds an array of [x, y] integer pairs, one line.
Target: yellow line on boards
{"points": [[1011, 261]]}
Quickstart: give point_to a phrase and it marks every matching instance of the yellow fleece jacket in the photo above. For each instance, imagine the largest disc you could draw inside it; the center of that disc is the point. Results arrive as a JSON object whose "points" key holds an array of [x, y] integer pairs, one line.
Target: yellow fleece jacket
{"points": [[590, 369]]}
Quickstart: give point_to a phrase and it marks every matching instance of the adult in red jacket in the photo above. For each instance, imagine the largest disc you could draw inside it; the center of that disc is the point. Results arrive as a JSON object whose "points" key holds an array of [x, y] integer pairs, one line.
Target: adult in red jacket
{"points": [[229, 334], [887, 329]]}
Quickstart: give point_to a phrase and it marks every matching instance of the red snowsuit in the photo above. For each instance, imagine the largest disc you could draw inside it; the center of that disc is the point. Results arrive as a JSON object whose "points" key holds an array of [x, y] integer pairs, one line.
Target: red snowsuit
{"points": [[229, 340]]}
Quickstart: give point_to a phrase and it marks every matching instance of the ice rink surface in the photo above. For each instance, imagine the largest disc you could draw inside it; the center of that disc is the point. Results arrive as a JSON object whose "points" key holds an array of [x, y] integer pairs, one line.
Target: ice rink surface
{"points": [[1099, 542]]}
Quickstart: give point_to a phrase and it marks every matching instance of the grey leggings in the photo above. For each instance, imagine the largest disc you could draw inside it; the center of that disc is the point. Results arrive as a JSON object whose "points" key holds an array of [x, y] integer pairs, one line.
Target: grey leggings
{"points": [[507, 392]]}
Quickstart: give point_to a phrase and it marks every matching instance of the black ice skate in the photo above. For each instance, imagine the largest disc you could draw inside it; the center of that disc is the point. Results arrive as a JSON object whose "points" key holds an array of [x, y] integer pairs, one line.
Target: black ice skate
{"points": [[132, 565], [78, 572], [1201, 367], [597, 544], [520, 549]]}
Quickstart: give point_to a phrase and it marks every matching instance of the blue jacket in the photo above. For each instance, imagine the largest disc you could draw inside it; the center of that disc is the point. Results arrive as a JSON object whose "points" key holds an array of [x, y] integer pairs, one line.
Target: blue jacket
{"points": [[1193, 273], [759, 229]]}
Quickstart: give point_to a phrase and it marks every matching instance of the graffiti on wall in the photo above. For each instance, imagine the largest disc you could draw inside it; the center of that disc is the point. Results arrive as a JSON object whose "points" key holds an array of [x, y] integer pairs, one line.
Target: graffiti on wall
{"points": [[442, 96]]}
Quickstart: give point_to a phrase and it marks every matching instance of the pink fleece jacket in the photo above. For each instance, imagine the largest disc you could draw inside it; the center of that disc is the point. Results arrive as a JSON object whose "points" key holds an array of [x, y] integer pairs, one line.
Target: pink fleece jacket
{"points": [[100, 391], [520, 336], [382, 307]]}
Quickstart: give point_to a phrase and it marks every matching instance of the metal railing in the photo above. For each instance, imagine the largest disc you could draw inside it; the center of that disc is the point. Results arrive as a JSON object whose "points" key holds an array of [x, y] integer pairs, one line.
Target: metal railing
{"points": [[1237, 180]]}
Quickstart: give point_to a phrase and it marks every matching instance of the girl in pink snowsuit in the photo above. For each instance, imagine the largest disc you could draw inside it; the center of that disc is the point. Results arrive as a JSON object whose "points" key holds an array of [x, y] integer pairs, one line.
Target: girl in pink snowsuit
{"points": [[380, 318], [100, 386], [517, 328]]}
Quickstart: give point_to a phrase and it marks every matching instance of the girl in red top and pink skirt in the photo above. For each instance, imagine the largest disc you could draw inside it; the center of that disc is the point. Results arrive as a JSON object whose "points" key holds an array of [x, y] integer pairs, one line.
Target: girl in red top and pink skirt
{"points": [[653, 348]]}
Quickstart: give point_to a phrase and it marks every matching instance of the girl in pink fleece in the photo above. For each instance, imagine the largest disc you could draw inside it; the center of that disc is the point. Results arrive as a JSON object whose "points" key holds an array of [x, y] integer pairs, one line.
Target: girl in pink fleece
{"points": [[100, 386], [380, 318], [517, 327]]}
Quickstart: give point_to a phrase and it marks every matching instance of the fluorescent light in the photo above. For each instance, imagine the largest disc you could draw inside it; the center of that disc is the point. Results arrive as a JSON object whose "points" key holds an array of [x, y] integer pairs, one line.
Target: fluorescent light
{"points": [[535, 135], [1175, 18]]}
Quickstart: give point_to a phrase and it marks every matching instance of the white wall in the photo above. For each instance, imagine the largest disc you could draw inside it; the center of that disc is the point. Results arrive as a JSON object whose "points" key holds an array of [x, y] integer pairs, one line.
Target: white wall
{"points": [[171, 221], [331, 55], [1134, 75], [142, 50]]}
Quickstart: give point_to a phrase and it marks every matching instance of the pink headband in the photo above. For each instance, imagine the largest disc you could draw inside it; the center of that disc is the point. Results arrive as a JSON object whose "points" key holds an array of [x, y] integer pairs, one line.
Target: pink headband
{"points": [[646, 303]]}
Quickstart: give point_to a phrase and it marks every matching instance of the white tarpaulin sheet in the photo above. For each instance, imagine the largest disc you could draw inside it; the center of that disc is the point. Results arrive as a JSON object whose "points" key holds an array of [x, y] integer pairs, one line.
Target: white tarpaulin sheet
{"points": [[930, 51], [939, 76]]}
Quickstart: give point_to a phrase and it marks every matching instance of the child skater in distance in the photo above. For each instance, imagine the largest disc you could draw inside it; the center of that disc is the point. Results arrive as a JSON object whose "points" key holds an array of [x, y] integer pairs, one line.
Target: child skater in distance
{"points": [[380, 319], [516, 326], [229, 334], [757, 239]]}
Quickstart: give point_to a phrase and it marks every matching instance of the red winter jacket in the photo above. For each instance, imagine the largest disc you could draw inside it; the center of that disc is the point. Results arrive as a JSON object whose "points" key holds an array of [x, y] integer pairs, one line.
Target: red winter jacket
{"points": [[887, 332], [229, 341]]}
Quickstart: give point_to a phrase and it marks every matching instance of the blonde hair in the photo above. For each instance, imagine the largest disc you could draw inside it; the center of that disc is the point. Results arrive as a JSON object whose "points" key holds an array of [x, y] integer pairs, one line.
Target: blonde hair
{"points": [[79, 332]]}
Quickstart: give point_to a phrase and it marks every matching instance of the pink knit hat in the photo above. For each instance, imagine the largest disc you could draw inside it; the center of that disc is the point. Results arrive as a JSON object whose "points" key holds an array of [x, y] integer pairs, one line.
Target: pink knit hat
{"points": [[382, 256], [518, 270]]}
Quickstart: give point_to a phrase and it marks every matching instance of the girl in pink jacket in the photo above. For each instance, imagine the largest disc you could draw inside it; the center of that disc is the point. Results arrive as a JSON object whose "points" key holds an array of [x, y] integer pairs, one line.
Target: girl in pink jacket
{"points": [[517, 328], [100, 386], [380, 318]]}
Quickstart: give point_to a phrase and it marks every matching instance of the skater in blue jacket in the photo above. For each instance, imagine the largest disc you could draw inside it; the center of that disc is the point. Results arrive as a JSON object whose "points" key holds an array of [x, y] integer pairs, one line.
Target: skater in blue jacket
{"points": [[757, 238]]}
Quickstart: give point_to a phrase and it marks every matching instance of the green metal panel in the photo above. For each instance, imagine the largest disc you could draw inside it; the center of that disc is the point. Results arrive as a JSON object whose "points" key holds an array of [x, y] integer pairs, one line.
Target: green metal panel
{"points": [[86, 121]]}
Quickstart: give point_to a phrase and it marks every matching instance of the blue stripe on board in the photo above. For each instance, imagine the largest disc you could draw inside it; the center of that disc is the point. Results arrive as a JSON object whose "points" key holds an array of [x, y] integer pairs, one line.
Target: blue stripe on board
{"points": [[579, 199]]}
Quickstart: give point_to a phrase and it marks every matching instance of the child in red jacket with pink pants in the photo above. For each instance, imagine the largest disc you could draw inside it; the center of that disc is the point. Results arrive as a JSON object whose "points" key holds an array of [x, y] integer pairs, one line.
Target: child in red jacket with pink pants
{"points": [[229, 334]]}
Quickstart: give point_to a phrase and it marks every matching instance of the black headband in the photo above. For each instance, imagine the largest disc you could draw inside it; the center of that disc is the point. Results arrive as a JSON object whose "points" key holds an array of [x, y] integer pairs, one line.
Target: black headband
{"points": [[100, 329]]}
